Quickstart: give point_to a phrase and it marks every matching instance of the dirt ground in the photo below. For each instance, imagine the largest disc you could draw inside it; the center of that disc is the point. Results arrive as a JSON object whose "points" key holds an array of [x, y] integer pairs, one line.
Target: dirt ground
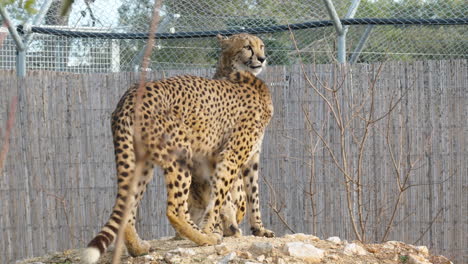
{"points": [[297, 248]]}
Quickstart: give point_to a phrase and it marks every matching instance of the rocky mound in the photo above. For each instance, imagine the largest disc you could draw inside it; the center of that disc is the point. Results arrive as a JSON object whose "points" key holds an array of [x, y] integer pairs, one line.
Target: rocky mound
{"points": [[297, 248]]}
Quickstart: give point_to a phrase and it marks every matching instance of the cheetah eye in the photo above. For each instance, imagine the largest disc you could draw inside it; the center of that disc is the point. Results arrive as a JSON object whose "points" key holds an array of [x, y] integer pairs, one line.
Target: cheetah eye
{"points": [[248, 47]]}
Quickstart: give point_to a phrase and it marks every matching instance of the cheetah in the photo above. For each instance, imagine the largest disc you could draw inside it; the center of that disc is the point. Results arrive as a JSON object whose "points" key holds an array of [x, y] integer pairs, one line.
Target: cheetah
{"points": [[184, 119]]}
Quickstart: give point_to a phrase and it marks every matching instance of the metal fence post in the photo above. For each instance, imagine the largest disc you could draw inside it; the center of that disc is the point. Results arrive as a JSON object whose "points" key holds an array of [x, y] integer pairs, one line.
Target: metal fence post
{"points": [[334, 16], [361, 44], [340, 30], [38, 18], [20, 48], [342, 38]]}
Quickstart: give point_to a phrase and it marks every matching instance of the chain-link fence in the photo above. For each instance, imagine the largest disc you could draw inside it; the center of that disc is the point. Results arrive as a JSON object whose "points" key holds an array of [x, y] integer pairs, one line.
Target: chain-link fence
{"points": [[413, 30]]}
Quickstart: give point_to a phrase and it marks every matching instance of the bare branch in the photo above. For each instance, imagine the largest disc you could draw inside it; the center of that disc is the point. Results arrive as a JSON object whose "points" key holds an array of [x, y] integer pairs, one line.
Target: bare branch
{"points": [[428, 227], [138, 145], [308, 79], [274, 207], [9, 127]]}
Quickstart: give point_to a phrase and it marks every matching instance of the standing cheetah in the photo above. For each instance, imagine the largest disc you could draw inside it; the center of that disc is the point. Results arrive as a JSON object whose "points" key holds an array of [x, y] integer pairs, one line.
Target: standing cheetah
{"points": [[184, 119]]}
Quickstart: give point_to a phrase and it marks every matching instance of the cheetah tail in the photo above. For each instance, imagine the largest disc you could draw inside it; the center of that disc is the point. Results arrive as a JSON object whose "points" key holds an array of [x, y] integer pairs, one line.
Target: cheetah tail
{"points": [[90, 255], [97, 247]]}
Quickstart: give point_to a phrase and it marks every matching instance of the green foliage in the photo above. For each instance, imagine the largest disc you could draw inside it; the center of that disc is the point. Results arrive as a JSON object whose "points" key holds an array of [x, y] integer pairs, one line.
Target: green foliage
{"points": [[316, 45], [27, 5], [66, 7], [403, 259], [135, 15]]}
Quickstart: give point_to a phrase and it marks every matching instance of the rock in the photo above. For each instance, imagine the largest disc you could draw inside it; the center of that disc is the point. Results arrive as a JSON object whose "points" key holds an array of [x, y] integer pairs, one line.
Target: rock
{"points": [[391, 244], [280, 261], [178, 255], [183, 252], [261, 258], [221, 249], [301, 236], [334, 239], [227, 258], [439, 260], [244, 254], [261, 248], [307, 252], [416, 259], [172, 258], [422, 250], [354, 249]]}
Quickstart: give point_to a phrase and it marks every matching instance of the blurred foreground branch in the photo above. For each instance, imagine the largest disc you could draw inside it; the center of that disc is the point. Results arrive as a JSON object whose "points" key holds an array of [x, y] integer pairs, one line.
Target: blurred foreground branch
{"points": [[9, 127]]}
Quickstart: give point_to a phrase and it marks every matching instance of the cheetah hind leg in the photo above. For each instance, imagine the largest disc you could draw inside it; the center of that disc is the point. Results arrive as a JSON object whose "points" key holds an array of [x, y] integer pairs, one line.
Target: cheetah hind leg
{"points": [[228, 219], [135, 245], [250, 173]]}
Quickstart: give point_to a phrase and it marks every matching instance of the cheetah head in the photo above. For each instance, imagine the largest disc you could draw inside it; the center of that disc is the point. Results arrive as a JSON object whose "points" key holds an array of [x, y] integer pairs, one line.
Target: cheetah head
{"points": [[242, 52]]}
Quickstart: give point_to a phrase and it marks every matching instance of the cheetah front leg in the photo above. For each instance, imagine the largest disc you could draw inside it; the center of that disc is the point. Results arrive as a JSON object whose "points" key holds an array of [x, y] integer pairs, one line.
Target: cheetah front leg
{"points": [[250, 173]]}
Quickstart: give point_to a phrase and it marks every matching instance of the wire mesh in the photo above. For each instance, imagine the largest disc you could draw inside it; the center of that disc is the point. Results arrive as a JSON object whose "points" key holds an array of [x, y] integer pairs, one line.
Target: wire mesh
{"points": [[315, 45]]}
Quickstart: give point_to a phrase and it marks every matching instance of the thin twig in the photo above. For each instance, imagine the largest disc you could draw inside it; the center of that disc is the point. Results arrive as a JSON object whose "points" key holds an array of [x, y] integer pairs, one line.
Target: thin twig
{"points": [[138, 145], [274, 208], [429, 227], [9, 127]]}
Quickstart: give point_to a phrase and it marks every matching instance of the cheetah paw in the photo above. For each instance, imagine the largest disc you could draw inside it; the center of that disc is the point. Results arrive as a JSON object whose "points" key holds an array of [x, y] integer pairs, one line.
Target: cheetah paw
{"points": [[141, 249], [262, 232], [233, 231], [213, 239]]}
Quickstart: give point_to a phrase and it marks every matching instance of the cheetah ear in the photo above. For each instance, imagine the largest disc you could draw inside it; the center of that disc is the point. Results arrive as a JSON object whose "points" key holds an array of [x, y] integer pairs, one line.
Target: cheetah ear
{"points": [[223, 41], [221, 38]]}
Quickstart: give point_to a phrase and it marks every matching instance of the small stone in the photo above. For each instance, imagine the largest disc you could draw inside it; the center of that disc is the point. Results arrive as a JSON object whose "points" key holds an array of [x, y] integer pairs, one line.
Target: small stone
{"points": [[416, 259], [244, 254], [333, 257], [439, 260], [261, 248], [221, 249], [422, 250], [148, 257], [300, 236], [391, 244], [227, 258], [280, 261], [183, 252], [307, 252], [261, 258], [172, 258], [354, 249], [249, 262], [334, 239]]}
